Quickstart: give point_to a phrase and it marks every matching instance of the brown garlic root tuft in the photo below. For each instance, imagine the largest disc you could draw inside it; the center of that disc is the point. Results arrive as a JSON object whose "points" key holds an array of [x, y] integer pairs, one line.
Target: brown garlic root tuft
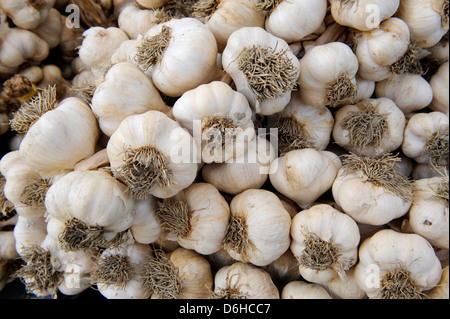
{"points": [[437, 147], [152, 48], [161, 277], [34, 194], [175, 217], [398, 284], [292, 134], [343, 90], [111, 270], [269, 73], [365, 127]]}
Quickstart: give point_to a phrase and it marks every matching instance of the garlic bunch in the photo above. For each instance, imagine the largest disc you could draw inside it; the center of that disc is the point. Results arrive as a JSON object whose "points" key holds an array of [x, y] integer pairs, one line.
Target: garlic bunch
{"points": [[153, 155], [363, 15], [293, 20], [325, 242], [197, 217], [124, 91], [259, 226], [429, 214], [58, 133], [223, 17], [372, 127], [385, 271], [117, 272], [301, 125], [426, 138], [27, 14], [244, 281], [24, 187], [101, 216], [262, 67], [178, 55], [250, 170], [221, 116], [303, 175], [371, 190], [427, 20], [327, 76]]}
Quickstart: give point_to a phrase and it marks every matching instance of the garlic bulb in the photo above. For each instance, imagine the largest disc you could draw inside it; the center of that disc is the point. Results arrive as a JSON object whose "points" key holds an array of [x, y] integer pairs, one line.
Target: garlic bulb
{"points": [[180, 274], [439, 84], [250, 170], [428, 215], [146, 227], [293, 20], [262, 67], [371, 190], [27, 14], [19, 46], [345, 288], [59, 134], [244, 281], [363, 15], [47, 269], [125, 91], [29, 232], [258, 230], [51, 29], [301, 125], [284, 269], [24, 187], [304, 290], [101, 215], [197, 216], [117, 272], [427, 20], [426, 138], [410, 92], [153, 155], [441, 289], [385, 271], [380, 51], [325, 243], [327, 76], [8, 245], [136, 21], [303, 175], [97, 47], [178, 55], [365, 88], [372, 127], [221, 116]]}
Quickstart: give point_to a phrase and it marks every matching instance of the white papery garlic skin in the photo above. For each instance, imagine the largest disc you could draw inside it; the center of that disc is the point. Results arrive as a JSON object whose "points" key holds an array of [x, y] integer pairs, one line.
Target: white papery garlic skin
{"points": [[244, 280], [27, 14], [427, 20], [303, 175], [259, 227], [304, 290], [439, 84], [294, 20], [380, 48], [410, 92], [60, 138], [363, 15], [125, 91]]}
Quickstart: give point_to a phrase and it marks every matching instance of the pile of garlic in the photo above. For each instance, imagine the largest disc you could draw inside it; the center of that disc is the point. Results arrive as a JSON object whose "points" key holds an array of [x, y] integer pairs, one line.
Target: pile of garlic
{"points": [[204, 149]]}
